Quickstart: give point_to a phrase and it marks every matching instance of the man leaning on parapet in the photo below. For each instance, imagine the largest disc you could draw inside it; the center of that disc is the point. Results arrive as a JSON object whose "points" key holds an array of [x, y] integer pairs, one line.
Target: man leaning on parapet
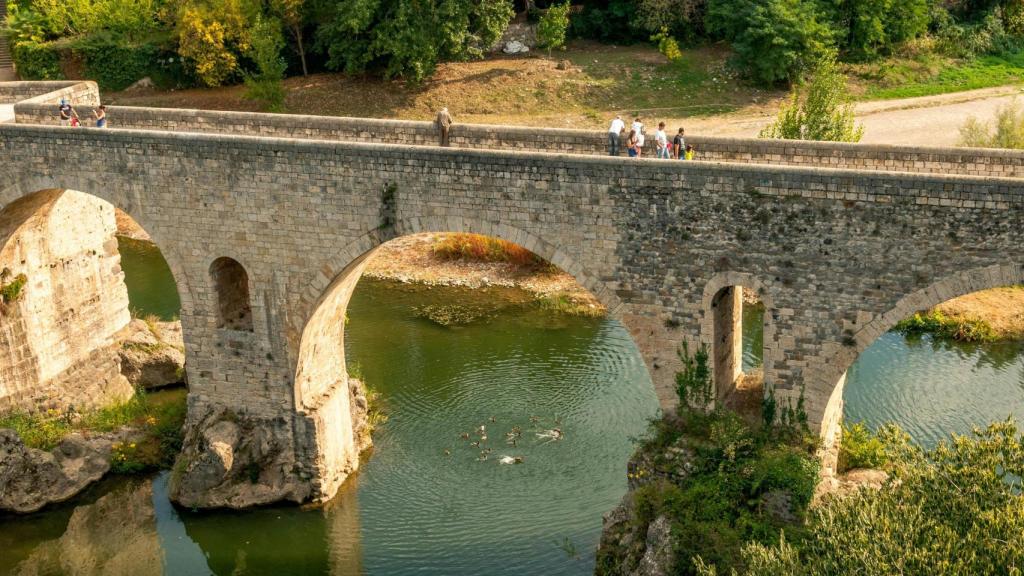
{"points": [[444, 123]]}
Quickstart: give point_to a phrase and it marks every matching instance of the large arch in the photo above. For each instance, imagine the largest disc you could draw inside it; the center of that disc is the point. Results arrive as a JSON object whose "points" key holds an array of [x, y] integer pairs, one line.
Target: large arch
{"points": [[836, 365], [321, 377], [75, 345]]}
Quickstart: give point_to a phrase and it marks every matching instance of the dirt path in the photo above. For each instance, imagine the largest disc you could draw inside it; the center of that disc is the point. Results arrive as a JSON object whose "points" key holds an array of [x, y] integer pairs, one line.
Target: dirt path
{"points": [[925, 121]]}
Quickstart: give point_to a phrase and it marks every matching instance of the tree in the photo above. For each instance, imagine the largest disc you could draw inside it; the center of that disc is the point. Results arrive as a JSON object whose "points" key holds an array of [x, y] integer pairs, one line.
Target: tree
{"points": [[870, 27], [213, 33], [409, 37], [292, 15], [774, 40], [955, 509], [552, 27], [265, 85], [825, 114]]}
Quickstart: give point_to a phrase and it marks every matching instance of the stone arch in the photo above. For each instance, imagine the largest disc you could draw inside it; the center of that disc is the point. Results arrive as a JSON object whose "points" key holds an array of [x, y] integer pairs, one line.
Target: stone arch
{"points": [[321, 387], [713, 289], [831, 380], [230, 283], [32, 195]]}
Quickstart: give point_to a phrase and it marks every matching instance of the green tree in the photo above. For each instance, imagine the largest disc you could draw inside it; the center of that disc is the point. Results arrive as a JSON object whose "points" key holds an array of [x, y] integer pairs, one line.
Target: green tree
{"points": [[552, 27], [266, 85], [955, 509], [212, 34], [292, 16], [409, 37], [867, 28], [824, 114], [774, 40]]}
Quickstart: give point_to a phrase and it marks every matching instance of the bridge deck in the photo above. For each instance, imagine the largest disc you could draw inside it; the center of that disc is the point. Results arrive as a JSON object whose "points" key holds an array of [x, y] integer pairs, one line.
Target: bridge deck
{"points": [[35, 103]]}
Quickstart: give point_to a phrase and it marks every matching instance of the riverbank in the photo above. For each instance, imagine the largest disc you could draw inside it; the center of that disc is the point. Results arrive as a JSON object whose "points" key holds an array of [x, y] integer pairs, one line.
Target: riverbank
{"points": [[417, 259], [987, 316]]}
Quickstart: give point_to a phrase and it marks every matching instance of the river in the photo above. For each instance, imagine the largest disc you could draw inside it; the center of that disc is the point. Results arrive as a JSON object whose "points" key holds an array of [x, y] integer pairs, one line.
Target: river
{"points": [[414, 509]]}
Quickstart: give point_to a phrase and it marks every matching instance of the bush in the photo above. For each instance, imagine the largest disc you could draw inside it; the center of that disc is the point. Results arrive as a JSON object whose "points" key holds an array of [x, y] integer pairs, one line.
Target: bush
{"points": [[860, 448], [265, 85], [552, 28], [36, 61], [667, 45], [774, 40], [683, 19], [113, 63], [869, 28], [955, 509], [480, 248], [1007, 131], [825, 114], [614, 22]]}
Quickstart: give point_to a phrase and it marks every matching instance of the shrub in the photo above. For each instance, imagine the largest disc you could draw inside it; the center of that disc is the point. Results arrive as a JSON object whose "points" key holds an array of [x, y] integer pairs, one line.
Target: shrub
{"points": [[265, 85], [1006, 131], [825, 113], [480, 248], [869, 28], [680, 18], [860, 448], [36, 61], [955, 509], [12, 291], [614, 22], [774, 40], [667, 45], [113, 63], [552, 28], [693, 382]]}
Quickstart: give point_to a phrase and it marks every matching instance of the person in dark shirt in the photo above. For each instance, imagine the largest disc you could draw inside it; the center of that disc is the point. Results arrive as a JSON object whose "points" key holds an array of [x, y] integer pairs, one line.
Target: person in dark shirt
{"points": [[67, 112], [679, 146]]}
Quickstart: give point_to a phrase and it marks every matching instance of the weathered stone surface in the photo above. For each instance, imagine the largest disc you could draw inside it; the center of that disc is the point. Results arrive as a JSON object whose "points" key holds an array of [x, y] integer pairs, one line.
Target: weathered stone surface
{"points": [[659, 553], [114, 536], [31, 479], [152, 360], [849, 482]]}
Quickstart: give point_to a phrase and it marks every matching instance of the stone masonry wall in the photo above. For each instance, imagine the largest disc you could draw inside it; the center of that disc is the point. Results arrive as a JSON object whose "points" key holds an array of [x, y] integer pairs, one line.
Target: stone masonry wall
{"points": [[56, 340], [834, 253], [963, 161]]}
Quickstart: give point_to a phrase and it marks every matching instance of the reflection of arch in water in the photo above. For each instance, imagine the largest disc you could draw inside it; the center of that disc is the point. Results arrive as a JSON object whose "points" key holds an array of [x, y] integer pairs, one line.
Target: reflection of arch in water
{"points": [[941, 291], [57, 342], [321, 380]]}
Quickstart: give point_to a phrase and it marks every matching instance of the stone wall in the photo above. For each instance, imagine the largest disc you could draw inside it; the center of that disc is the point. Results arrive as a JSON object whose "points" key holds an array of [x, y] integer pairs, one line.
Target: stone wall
{"points": [[963, 161], [836, 255], [56, 339]]}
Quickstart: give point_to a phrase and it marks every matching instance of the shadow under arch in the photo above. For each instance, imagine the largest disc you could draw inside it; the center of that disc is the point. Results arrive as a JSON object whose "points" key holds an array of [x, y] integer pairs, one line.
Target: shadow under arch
{"points": [[325, 300], [953, 286]]}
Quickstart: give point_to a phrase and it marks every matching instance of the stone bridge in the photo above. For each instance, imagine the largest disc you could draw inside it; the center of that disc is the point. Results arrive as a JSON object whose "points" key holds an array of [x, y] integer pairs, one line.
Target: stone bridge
{"points": [[267, 221]]}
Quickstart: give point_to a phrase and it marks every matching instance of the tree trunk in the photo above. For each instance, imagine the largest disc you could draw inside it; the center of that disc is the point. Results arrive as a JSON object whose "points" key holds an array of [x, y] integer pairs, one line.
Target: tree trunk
{"points": [[302, 50]]}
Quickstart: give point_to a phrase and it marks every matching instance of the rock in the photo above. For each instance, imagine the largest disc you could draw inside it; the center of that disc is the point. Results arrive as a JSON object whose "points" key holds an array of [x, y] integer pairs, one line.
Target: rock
{"points": [[563, 65], [143, 84], [778, 504], [359, 406], [515, 47], [232, 460], [152, 360], [849, 483], [659, 555], [31, 478]]}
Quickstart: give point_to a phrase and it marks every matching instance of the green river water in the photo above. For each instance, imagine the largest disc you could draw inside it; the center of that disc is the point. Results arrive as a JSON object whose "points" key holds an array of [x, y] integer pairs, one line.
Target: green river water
{"points": [[412, 509]]}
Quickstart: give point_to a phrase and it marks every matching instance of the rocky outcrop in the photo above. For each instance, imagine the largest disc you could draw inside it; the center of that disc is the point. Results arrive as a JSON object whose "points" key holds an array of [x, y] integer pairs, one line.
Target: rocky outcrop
{"points": [[114, 536], [849, 482], [628, 548], [152, 353], [232, 460], [31, 478]]}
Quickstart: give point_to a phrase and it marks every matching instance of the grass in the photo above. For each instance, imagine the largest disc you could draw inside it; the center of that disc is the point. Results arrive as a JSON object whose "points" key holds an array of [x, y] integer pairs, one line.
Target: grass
{"points": [[159, 416], [946, 327], [929, 74], [565, 303]]}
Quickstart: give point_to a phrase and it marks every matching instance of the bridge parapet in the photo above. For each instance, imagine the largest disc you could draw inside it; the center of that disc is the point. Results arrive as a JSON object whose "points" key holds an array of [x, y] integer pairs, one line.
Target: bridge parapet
{"points": [[872, 157]]}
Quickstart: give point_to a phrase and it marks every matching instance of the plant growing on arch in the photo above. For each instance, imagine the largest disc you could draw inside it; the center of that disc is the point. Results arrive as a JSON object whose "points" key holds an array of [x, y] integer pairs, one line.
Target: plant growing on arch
{"points": [[693, 382]]}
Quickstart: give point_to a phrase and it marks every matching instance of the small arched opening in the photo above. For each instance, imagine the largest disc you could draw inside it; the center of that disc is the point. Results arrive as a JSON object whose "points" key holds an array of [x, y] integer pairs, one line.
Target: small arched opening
{"points": [[738, 331], [231, 283]]}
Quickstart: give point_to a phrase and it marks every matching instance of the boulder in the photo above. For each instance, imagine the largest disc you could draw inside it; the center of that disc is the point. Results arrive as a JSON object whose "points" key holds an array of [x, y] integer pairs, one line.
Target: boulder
{"points": [[515, 47], [659, 554], [31, 478], [152, 359], [141, 84], [232, 460]]}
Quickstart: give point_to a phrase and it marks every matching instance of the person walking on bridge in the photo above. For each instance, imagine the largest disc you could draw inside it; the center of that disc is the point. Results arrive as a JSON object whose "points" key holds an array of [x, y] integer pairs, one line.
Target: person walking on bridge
{"points": [[661, 141], [679, 145], [615, 136], [67, 113], [444, 123], [100, 114]]}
